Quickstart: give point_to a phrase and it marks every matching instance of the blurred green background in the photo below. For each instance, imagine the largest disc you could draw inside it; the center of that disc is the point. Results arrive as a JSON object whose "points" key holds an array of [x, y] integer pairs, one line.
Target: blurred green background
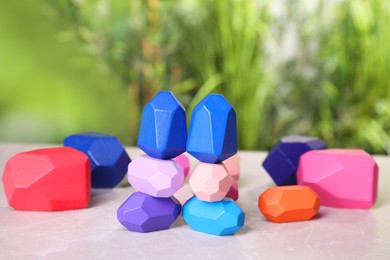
{"points": [[316, 68]]}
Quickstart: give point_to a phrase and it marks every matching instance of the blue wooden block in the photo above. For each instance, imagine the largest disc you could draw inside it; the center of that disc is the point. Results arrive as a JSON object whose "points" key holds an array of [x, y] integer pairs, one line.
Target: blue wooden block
{"points": [[212, 137], [283, 159], [163, 130], [221, 218], [109, 160]]}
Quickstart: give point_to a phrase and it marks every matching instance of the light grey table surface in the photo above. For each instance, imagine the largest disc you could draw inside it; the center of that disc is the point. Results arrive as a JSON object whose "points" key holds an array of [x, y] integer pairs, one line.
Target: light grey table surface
{"points": [[94, 232]]}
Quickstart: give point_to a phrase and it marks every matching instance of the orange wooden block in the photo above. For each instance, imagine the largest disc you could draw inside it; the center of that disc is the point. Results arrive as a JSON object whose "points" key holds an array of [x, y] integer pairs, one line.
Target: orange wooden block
{"points": [[289, 203]]}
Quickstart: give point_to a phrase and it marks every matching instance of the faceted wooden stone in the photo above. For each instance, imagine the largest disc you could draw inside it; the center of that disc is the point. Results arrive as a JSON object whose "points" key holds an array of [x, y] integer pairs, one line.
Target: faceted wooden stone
{"points": [[145, 213], [210, 182], [108, 157], [282, 161], [343, 178], [212, 137], [155, 177], [233, 191], [232, 165], [289, 203], [220, 218], [48, 180], [163, 130], [183, 161]]}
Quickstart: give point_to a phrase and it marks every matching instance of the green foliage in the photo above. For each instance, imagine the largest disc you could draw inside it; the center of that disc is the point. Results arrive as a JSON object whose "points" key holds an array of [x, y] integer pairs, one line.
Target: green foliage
{"points": [[345, 98], [49, 88], [307, 67]]}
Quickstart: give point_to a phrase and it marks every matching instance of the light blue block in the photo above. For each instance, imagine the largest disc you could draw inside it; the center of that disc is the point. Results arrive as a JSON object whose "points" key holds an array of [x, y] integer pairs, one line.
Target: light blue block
{"points": [[212, 137], [163, 130], [220, 218], [108, 157]]}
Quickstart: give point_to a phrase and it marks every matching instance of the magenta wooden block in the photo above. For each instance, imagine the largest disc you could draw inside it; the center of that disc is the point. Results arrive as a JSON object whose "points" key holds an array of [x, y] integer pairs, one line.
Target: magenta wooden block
{"points": [[343, 178], [155, 177], [232, 165], [183, 161], [210, 182], [233, 191]]}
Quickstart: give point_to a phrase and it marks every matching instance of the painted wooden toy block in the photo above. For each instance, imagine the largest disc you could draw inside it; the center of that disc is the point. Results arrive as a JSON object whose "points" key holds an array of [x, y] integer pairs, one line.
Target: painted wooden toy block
{"points": [[108, 157], [220, 218], [210, 182], [163, 130], [183, 161], [155, 177], [343, 178], [283, 159], [51, 179], [212, 137], [144, 213], [232, 165], [289, 203]]}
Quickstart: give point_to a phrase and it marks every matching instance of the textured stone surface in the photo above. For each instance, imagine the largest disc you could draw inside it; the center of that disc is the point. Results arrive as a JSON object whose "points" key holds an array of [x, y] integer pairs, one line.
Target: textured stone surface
{"points": [[210, 182], [289, 203], [232, 165], [108, 158], [283, 159], [212, 137], [217, 218], [163, 130], [155, 177], [233, 191], [144, 213], [48, 180], [183, 161], [343, 178]]}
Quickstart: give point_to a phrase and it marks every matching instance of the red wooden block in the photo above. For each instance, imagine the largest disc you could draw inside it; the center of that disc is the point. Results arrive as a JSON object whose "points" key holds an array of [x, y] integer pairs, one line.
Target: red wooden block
{"points": [[48, 180]]}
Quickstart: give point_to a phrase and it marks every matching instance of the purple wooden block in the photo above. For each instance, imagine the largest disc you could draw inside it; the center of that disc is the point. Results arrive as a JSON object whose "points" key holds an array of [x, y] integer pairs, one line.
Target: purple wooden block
{"points": [[155, 177], [282, 161], [144, 213]]}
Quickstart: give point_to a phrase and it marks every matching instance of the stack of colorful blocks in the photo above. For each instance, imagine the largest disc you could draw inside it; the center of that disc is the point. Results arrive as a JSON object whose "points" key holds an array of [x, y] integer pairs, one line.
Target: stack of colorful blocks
{"points": [[155, 176], [212, 139]]}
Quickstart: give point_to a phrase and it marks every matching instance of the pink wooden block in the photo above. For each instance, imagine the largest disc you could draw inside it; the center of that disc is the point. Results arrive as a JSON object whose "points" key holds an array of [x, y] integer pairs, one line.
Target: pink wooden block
{"points": [[343, 178], [210, 182], [184, 163], [155, 177], [232, 165]]}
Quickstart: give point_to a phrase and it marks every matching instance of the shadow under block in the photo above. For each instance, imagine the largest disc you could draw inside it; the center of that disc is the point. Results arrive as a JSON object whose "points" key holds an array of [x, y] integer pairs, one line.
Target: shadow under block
{"points": [[343, 178], [289, 203], [51, 179], [108, 157], [163, 130], [283, 159], [212, 136], [144, 213]]}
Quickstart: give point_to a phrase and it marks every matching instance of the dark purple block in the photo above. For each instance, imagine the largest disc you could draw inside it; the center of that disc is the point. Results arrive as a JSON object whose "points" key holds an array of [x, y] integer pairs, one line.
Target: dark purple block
{"points": [[144, 213], [283, 159]]}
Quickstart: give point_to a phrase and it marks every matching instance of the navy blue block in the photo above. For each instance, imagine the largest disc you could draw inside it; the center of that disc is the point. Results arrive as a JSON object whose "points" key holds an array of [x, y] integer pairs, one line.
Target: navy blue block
{"points": [[283, 159], [163, 130], [108, 157], [212, 137]]}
